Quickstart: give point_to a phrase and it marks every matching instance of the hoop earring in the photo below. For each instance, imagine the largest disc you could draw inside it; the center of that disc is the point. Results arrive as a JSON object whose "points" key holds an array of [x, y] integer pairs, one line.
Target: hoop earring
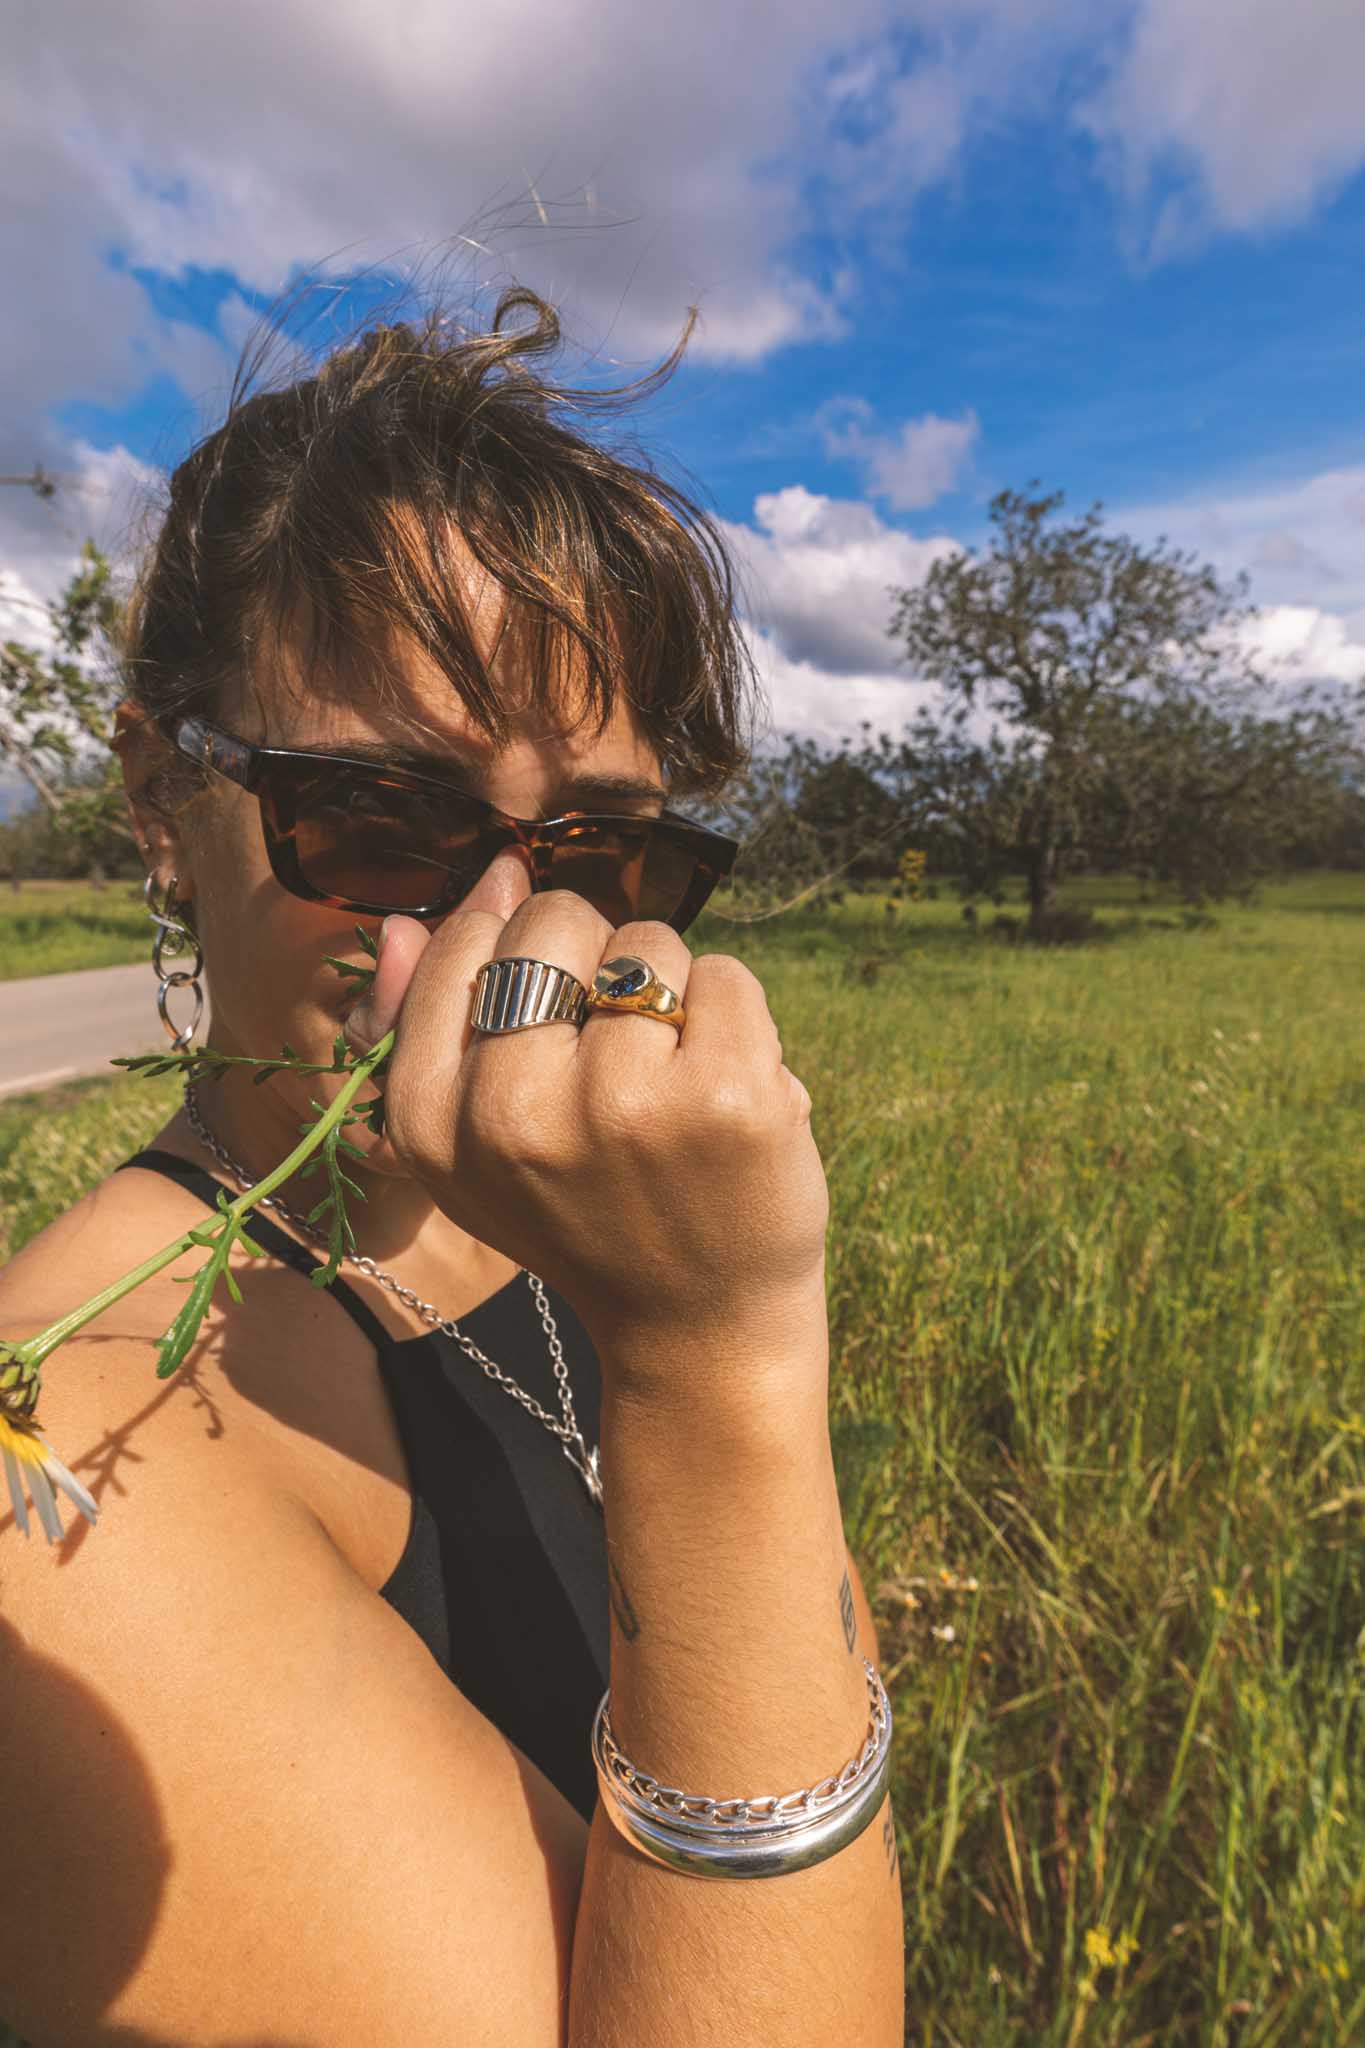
{"points": [[174, 937]]}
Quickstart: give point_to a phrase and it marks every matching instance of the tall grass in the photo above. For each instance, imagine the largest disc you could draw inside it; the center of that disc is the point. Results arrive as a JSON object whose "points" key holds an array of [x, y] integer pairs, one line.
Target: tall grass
{"points": [[56, 927], [1096, 1297]]}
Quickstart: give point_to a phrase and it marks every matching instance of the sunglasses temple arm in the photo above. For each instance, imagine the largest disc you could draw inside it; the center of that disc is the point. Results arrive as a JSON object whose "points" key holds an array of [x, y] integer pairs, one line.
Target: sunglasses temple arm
{"points": [[211, 748]]}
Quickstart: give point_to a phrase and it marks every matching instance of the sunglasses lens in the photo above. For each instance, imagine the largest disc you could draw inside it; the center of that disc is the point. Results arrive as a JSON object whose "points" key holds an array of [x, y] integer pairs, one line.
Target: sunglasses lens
{"points": [[362, 843], [624, 874], [365, 842]]}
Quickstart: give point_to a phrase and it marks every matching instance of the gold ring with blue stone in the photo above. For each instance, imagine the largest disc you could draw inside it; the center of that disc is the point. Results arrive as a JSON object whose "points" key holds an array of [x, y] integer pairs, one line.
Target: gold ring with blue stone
{"points": [[626, 983]]}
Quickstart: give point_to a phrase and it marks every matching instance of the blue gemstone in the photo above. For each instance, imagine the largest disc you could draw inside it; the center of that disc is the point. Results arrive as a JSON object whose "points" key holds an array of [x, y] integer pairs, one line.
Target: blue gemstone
{"points": [[629, 984]]}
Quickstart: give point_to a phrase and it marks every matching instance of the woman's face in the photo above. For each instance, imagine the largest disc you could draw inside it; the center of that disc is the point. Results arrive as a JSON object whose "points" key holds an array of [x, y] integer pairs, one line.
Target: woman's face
{"points": [[265, 950]]}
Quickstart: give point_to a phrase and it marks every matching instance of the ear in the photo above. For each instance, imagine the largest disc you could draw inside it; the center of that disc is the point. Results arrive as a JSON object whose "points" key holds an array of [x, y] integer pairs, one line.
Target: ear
{"points": [[150, 777]]}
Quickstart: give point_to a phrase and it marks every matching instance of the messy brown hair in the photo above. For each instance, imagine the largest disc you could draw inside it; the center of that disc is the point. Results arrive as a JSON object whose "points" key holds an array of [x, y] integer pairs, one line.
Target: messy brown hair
{"points": [[327, 517]]}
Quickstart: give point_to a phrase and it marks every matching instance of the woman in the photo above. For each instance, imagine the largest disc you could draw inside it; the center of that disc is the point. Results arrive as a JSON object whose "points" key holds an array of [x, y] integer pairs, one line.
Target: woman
{"points": [[302, 1741]]}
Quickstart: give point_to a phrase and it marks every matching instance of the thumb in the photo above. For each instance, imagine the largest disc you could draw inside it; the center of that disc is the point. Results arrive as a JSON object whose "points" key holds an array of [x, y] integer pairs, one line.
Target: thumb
{"points": [[402, 942]]}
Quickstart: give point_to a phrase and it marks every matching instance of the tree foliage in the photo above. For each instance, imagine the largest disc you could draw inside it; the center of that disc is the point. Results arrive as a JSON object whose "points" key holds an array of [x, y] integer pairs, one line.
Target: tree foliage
{"points": [[1129, 730], [57, 696], [1127, 733], [811, 819]]}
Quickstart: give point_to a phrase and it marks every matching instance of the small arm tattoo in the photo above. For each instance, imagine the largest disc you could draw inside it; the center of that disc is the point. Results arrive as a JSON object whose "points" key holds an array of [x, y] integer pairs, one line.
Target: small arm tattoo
{"points": [[627, 1620], [847, 1614]]}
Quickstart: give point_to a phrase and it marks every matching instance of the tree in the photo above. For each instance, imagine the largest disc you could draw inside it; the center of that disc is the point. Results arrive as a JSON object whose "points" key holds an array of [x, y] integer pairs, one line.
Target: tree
{"points": [[57, 703], [810, 818], [1134, 733], [856, 821], [1209, 802]]}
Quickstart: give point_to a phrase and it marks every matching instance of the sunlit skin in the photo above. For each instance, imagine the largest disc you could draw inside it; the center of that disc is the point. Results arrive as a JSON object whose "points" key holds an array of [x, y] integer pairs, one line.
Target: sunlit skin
{"points": [[241, 1583], [265, 950]]}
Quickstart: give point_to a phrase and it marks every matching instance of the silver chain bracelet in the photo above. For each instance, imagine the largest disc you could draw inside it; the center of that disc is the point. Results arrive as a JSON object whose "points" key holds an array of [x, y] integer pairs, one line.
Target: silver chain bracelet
{"points": [[765, 1836]]}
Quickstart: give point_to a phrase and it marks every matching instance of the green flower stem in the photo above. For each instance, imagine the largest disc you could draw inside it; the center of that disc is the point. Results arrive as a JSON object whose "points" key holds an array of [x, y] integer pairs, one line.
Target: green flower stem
{"points": [[34, 1350]]}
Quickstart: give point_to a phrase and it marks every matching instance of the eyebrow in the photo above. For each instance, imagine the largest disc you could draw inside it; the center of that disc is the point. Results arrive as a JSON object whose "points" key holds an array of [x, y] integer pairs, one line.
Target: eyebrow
{"points": [[590, 783]]}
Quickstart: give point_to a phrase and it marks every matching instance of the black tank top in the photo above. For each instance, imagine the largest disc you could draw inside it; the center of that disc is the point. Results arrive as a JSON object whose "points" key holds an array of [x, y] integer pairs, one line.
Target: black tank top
{"points": [[504, 1574]]}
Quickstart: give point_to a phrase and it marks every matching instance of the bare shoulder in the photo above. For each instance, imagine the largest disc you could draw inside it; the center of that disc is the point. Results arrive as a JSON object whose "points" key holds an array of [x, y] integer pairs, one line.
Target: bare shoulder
{"points": [[268, 1375], [125, 1218], [251, 1807]]}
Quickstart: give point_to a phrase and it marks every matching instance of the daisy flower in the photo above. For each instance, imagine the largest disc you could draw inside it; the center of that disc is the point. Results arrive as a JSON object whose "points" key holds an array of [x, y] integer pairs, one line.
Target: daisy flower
{"points": [[28, 1458]]}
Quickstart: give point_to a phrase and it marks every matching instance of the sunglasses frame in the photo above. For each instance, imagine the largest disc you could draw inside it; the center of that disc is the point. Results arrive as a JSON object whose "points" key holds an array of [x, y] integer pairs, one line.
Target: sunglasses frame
{"points": [[267, 774]]}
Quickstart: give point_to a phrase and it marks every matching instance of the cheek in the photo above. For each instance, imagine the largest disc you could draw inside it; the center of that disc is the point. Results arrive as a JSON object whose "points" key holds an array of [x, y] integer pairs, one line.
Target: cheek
{"points": [[265, 950]]}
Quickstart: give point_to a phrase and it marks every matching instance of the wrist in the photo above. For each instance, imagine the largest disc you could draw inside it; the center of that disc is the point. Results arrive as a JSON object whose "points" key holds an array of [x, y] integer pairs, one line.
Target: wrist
{"points": [[731, 1365]]}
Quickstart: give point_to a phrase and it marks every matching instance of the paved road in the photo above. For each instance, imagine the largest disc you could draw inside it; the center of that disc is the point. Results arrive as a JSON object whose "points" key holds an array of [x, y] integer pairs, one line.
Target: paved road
{"points": [[56, 1027]]}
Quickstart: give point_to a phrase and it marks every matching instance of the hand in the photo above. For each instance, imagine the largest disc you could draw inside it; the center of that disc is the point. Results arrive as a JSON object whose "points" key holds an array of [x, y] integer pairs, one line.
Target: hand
{"points": [[664, 1183]]}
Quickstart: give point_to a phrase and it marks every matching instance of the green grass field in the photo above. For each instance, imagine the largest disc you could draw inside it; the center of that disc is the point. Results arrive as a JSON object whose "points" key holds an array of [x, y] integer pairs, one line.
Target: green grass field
{"points": [[1096, 1295], [49, 927]]}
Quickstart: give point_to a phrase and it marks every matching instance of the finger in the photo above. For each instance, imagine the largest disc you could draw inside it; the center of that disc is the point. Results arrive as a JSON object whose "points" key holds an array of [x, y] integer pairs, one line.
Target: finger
{"points": [[729, 1024], [663, 950], [434, 1031], [559, 927], [402, 941]]}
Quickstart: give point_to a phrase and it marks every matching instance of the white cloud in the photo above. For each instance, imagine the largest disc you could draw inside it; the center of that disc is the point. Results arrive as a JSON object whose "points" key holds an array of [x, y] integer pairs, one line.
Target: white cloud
{"points": [[910, 469], [631, 161], [807, 699], [1300, 540], [1297, 643], [901, 124], [107, 496], [329, 131], [627, 162], [1227, 116], [23, 614], [639, 159], [1213, 116], [818, 575]]}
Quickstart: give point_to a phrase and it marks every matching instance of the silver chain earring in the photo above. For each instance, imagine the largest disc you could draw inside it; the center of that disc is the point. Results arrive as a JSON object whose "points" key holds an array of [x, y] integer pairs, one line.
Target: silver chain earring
{"points": [[174, 937]]}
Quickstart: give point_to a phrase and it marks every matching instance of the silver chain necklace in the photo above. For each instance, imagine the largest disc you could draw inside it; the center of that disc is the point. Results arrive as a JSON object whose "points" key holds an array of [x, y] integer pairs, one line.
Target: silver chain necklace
{"points": [[583, 1460]]}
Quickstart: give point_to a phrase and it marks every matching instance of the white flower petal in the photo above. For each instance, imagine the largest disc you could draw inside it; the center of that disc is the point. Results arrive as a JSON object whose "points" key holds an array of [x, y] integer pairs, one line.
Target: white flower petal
{"points": [[70, 1485], [43, 1500], [16, 1489]]}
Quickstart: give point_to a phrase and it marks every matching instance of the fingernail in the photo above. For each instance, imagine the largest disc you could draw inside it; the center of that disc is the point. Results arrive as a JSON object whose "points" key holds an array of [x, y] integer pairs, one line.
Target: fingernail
{"points": [[383, 935]]}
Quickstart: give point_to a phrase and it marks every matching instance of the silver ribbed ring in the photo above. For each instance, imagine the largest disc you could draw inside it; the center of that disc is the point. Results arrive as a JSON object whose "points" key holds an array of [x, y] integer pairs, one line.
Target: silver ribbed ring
{"points": [[515, 992]]}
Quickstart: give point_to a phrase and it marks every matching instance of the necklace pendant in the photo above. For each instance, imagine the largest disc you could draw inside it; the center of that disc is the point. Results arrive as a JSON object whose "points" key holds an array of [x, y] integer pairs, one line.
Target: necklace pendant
{"points": [[586, 1465]]}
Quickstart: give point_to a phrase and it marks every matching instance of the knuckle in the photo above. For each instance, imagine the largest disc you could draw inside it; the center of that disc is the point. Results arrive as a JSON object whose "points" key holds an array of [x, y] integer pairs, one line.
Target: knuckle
{"points": [[799, 1102], [733, 1103], [723, 971], [547, 915], [651, 937]]}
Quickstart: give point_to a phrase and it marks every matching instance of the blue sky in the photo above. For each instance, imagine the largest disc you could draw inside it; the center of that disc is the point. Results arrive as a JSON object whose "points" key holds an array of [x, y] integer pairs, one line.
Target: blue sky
{"points": [[947, 246]]}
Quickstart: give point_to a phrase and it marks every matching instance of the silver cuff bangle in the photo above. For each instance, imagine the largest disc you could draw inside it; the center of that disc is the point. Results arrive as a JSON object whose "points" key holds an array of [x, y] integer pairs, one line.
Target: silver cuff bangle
{"points": [[763, 1837]]}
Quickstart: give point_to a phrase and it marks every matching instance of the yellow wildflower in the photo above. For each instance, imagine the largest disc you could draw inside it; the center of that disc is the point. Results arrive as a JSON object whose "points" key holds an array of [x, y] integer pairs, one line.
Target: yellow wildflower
{"points": [[1099, 1949], [1103, 1953], [29, 1458]]}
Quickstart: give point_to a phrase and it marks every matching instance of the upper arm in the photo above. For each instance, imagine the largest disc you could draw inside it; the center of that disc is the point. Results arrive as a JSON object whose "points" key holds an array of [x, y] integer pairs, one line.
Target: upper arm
{"points": [[241, 1801]]}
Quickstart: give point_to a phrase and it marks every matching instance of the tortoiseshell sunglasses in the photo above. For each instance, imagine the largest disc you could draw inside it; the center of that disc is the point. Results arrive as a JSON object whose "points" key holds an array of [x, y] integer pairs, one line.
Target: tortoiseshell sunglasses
{"points": [[370, 839]]}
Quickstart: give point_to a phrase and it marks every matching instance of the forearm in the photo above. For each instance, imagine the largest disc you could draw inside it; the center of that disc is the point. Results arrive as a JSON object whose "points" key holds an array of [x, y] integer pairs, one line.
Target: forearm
{"points": [[733, 1672]]}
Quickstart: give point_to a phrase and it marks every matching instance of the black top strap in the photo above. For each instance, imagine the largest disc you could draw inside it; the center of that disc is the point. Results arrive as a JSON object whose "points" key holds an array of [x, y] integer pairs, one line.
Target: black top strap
{"points": [[199, 1181]]}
